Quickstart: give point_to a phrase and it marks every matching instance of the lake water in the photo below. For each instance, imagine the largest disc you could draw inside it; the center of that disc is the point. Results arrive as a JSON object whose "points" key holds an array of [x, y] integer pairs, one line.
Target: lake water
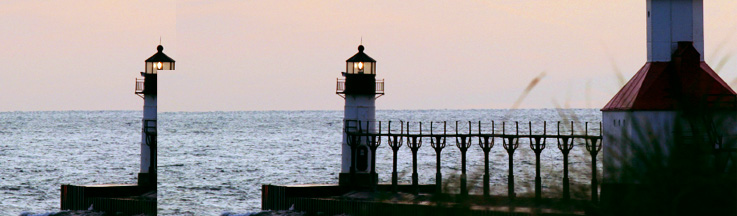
{"points": [[212, 162]]}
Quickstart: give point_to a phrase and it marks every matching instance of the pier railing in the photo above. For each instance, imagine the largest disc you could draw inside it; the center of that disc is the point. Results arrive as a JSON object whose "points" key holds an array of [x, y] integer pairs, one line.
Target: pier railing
{"points": [[340, 86], [411, 135]]}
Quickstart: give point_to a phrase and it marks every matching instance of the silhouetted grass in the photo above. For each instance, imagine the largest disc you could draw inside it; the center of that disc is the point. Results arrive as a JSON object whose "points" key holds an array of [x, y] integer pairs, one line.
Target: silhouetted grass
{"points": [[679, 177], [525, 92]]}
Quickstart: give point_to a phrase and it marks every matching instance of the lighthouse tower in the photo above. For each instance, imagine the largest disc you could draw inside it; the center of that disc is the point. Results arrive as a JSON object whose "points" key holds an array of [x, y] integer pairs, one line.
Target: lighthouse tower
{"points": [[674, 102], [360, 89], [146, 88]]}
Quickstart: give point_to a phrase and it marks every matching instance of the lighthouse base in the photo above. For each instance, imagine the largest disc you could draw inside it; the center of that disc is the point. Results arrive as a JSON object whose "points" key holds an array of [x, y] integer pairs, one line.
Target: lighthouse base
{"points": [[147, 180], [361, 179], [123, 199]]}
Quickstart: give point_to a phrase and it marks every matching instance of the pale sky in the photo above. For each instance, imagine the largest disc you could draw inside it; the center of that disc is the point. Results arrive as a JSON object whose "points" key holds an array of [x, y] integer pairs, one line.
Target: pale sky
{"points": [[286, 55]]}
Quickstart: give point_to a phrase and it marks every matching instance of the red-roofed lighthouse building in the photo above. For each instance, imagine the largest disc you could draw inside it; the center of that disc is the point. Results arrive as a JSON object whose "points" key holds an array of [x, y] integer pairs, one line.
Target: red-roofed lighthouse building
{"points": [[674, 99]]}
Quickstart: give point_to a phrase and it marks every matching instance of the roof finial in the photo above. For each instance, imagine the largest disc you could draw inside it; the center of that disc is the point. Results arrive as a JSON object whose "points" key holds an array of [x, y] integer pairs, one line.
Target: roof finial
{"points": [[159, 39], [360, 46]]}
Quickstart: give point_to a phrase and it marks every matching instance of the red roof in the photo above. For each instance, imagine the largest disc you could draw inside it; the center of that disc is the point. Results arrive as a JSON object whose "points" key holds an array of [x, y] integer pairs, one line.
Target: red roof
{"points": [[664, 85]]}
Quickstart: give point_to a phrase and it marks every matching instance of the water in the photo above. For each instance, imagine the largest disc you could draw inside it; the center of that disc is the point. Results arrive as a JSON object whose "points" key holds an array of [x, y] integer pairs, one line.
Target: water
{"points": [[212, 162]]}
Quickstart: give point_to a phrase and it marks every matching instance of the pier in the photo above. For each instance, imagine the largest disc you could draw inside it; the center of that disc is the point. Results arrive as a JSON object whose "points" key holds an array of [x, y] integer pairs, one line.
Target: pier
{"points": [[359, 196]]}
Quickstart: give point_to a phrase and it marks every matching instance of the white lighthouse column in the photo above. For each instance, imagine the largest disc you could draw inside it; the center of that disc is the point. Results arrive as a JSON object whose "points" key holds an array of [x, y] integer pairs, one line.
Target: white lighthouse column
{"points": [[149, 114], [358, 108], [147, 176]]}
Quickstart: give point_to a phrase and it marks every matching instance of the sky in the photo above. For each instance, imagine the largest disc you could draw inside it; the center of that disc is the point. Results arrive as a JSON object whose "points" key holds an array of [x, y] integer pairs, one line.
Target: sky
{"points": [[286, 55]]}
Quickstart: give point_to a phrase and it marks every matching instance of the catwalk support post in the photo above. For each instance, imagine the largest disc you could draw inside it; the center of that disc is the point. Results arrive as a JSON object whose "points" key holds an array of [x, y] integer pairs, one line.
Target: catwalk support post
{"points": [[414, 143], [374, 141], [593, 146], [486, 143], [537, 144], [510, 143], [395, 142], [565, 144], [463, 143], [438, 143]]}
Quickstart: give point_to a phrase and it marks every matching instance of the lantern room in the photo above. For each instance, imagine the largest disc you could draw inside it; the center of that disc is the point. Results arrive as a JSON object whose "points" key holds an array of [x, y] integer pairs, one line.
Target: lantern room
{"points": [[360, 63], [159, 61], [155, 63], [360, 76]]}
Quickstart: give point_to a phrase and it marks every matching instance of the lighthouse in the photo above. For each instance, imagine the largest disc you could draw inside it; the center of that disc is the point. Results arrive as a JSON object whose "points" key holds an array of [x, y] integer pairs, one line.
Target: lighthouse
{"points": [[360, 89], [146, 88], [674, 105]]}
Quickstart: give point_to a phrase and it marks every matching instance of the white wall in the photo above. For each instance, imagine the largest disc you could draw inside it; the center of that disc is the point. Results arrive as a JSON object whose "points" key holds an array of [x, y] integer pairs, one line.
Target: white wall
{"points": [[149, 113], [627, 134], [633, 137], [361, 108]]}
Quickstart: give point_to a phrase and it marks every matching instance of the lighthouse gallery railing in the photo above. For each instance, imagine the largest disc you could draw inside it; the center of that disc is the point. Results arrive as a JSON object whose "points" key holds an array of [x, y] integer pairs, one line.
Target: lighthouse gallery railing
{"points": [[358, 132], [139, 85], [340, 86]]}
